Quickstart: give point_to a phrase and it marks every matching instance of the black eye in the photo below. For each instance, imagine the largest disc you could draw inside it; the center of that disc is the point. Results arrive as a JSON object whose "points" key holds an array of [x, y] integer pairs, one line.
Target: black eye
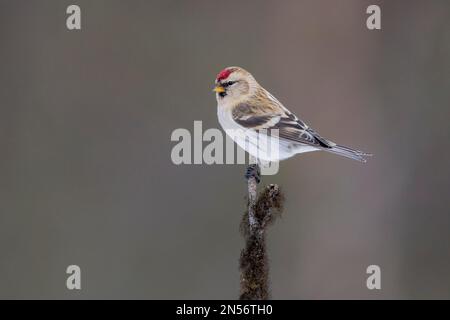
{"points": [[228, 83]]}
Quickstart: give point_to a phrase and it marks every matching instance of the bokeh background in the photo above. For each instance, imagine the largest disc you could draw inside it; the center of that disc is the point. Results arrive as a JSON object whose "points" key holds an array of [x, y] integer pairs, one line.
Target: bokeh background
{"points": [[86, 176]]}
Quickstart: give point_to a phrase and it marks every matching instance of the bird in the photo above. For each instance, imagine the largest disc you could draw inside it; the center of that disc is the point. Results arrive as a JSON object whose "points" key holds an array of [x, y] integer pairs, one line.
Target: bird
{"points": [[246, 111]]}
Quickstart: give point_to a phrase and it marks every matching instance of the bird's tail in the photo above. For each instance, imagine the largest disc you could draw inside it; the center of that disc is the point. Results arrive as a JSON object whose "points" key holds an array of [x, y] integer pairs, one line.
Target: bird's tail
{"points": [[349, 153]]}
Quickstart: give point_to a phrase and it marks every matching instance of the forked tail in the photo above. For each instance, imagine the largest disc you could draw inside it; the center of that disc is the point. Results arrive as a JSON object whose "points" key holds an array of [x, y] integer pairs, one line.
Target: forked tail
{"points": [[349, 153]]}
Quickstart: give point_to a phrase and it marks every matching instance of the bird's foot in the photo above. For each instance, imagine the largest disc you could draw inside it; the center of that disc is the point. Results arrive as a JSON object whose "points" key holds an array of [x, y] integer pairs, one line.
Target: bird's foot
{"points": [[253, 171]]}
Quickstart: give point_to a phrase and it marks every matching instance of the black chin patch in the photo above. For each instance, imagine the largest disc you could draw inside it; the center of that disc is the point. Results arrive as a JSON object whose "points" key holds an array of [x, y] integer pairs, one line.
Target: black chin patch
{"points": [[222, 94]]}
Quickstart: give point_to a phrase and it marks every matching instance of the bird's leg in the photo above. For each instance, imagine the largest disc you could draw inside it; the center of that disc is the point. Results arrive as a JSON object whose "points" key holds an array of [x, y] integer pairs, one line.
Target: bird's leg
{"points": [[253, 171]]}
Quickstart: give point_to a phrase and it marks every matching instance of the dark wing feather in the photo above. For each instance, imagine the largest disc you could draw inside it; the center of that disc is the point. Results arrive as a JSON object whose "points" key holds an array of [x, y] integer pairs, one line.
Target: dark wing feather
{"points": [[288, 125], [252, 122], [298, 132]]}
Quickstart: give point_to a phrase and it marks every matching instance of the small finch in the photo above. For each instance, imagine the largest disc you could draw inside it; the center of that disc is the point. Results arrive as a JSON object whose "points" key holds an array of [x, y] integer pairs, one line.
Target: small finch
{"points": [[248, 110]]}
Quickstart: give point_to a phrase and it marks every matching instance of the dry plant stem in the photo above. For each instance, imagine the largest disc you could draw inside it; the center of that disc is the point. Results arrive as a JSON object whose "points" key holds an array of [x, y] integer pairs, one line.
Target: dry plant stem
{"points": [[252, 187], [262, 210]]}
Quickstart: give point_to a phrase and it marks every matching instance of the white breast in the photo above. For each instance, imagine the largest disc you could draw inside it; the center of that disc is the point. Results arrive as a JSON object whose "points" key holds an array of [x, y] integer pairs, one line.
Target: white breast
{"points": [[260, 146]]}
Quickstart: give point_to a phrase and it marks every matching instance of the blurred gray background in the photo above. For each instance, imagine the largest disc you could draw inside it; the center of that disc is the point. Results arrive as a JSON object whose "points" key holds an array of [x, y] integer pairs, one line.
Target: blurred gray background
{"points": [[86, 176]]}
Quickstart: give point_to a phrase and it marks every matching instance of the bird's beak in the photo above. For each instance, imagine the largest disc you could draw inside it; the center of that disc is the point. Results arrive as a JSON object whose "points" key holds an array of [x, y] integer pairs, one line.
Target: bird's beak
{"points": [[219, 89]]}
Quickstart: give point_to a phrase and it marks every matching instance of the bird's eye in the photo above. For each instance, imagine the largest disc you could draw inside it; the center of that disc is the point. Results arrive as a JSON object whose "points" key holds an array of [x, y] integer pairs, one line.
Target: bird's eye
{"points": [[228, 83]]}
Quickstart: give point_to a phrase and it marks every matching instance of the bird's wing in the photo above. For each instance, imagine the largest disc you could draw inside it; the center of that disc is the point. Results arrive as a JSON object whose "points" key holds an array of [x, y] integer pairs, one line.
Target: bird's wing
{"points": [[289, 126]]}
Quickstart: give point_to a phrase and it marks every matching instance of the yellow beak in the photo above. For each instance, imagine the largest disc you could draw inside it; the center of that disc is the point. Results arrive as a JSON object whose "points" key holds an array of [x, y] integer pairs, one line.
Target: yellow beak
{"points": [[219, 89]]}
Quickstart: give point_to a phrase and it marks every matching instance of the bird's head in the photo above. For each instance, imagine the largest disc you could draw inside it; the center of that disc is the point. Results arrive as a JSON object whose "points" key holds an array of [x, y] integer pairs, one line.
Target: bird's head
{"points": [[234, 84]]}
